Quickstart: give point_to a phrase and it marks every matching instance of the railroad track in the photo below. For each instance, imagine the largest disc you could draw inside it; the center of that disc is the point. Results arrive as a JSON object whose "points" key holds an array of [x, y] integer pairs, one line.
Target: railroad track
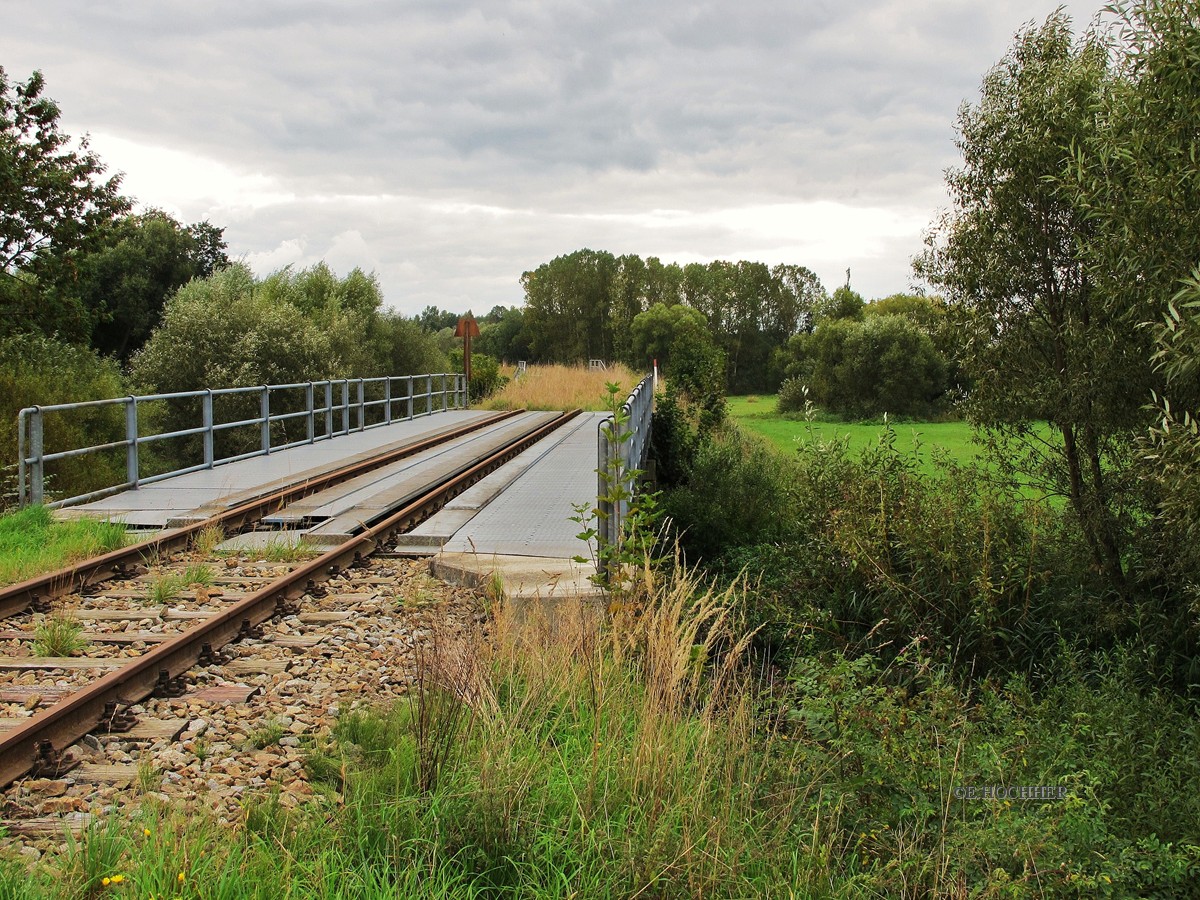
{"points": [[37, 745]]}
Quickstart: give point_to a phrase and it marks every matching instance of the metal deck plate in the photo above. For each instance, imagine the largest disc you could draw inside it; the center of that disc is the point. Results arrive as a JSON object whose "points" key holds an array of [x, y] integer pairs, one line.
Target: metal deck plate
{"points": [[532, 515]]}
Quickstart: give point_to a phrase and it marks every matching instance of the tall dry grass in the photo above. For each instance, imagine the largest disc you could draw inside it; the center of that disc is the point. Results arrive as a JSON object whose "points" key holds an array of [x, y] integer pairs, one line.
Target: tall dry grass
{"points": [[632, 739], [562, 387]]}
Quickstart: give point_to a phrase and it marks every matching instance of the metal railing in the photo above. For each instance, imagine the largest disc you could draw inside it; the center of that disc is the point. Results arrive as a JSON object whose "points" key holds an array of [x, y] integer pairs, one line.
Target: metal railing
{"points": [[622, 445], [364, 403]]}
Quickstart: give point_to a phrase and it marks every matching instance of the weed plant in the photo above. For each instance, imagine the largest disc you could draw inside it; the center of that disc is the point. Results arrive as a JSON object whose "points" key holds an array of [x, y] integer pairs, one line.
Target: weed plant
{"points": [[32, 542], [207, 539], [198, 574], [283, 550], [166, 588], [59, 635]]}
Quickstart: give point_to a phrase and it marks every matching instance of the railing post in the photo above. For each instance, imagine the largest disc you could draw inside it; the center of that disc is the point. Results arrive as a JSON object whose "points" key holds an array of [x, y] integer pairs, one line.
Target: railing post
{"points": [[206, 412], [131, 441], [264, 410], [37, 475], [387, 400], [410, 399], [429, 395], [328, 391], [310, 419], [345, 406], [362, 409], [22, 418], [445, 394]]}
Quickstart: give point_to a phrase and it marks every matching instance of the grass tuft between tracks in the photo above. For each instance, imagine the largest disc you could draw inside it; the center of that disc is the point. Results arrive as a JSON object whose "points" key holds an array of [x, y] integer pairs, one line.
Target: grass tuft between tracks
{"points": [[32, 542]]}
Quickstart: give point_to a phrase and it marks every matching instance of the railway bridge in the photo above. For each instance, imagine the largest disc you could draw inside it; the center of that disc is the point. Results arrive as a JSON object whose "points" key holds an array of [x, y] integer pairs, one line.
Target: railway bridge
{"points": [[402, 437]]}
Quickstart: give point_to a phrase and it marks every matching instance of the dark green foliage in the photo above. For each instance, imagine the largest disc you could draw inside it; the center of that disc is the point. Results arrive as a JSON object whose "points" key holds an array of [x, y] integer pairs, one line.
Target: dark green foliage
{"points": [[862, 369], [125, 283], [37, 370], [54, 202], [893, 743], [794, 396], [843, 304], [653, 333], [485, 374], [874, 553], [734, 492], [503, 335]]}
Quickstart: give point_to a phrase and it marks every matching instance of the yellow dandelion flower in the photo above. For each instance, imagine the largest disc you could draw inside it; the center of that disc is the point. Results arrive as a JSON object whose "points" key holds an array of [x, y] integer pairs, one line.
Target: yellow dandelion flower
{"points": [[106, 881], [181, 878], [145, 832], [117, 879]]}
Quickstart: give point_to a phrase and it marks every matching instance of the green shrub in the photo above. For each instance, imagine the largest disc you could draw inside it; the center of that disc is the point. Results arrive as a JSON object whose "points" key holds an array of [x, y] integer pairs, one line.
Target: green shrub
{"points": [[736, 490], [860, 369], [39, 371], [873, 553], [794, 396]]}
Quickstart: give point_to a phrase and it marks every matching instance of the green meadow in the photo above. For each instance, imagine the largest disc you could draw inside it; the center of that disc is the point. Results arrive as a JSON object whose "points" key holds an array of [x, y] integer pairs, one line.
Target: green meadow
{"points": [[786, 431]]}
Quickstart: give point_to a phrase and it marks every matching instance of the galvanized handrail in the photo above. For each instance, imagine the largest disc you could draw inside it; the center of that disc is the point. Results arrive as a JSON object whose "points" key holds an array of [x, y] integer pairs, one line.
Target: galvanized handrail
{"points": [[31, 474], [621, 452]]}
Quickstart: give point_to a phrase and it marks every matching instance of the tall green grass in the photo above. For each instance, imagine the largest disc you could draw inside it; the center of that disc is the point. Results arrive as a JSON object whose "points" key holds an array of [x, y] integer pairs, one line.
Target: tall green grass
{"points": [[32, 542]]}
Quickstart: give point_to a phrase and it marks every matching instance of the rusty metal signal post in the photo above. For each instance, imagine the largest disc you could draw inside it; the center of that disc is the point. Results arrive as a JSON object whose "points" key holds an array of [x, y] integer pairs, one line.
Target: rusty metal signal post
{"points": [[467, 329]]}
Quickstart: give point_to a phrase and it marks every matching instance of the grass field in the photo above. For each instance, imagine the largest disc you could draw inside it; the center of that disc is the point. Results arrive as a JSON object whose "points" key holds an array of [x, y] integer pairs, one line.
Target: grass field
{"points": [[31, 542], [757, 414]]}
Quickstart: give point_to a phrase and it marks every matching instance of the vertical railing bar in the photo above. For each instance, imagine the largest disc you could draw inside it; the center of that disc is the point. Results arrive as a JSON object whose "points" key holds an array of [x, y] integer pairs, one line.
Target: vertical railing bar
{"points": [[206, 414], [311, 418], [387, 400], [22, 424], [37, 449], [131, 441], [410, 397], [264, 408]]}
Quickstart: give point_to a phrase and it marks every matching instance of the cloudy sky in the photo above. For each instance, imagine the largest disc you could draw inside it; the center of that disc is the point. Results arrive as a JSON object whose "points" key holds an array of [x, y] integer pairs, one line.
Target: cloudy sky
{"points": [[450, 146]]}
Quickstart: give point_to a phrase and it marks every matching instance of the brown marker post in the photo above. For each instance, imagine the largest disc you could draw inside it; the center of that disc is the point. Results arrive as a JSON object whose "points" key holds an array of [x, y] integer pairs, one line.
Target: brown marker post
{"points": [[467, 329]]}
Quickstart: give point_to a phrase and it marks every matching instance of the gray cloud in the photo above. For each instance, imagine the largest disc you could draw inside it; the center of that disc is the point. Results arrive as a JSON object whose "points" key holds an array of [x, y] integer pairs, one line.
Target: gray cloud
{"points": [[451, 145]]}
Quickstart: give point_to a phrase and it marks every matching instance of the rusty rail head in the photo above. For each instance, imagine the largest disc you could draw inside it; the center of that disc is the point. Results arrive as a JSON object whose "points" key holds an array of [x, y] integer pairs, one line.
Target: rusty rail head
{"points": [[61, 725]]}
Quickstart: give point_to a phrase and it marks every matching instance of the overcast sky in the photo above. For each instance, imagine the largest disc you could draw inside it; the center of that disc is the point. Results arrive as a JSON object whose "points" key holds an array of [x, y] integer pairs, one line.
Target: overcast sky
{"points": [[450, 146]]}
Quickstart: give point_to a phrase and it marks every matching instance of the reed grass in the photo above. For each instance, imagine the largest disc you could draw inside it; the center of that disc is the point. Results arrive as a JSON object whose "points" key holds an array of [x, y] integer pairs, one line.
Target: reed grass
{"points": [[561, 387]]}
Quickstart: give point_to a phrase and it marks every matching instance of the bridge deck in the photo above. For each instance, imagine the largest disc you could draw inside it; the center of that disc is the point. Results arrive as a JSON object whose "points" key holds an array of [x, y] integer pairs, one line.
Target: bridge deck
{"points": [[522, 510], [199, 493]]}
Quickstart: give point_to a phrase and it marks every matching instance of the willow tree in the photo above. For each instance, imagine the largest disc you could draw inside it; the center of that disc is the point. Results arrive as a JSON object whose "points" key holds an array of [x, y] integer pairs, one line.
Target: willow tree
{"points": [[1042, 342]]}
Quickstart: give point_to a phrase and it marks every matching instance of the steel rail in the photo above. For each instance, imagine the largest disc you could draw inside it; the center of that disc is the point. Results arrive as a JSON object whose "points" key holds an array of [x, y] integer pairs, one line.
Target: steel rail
{"points": [[40, 590], [38, 745]]}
